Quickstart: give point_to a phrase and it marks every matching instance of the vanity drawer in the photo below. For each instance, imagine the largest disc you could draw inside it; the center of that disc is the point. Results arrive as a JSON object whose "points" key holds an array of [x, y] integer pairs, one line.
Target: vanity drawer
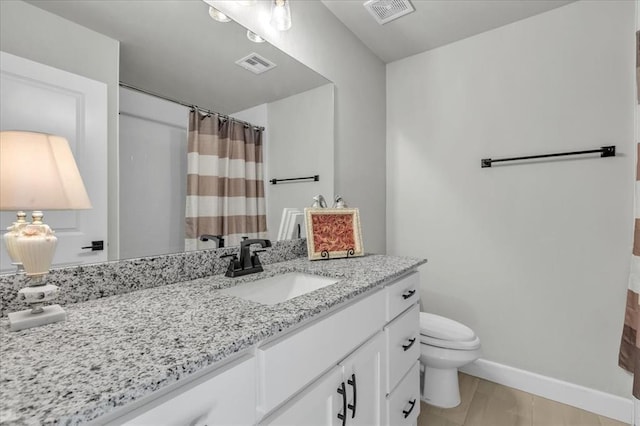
{"points": [[225, 397], [402, 294], [290, 363], [403, 345], [403, 405]]}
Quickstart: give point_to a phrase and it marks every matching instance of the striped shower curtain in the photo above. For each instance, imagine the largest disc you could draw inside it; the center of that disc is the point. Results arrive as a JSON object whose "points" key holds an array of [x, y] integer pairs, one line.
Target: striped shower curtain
{"points": [[225, 184], [629, 357]]}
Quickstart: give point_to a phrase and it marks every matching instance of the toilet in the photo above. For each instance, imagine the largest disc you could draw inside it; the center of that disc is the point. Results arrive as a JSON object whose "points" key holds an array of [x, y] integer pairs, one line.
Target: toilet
{"points": [[445, 346]]}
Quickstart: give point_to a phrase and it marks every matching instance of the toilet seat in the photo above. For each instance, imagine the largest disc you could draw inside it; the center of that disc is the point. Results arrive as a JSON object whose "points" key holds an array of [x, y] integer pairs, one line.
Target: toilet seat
{"points": [[446, 333], [451, 344]]}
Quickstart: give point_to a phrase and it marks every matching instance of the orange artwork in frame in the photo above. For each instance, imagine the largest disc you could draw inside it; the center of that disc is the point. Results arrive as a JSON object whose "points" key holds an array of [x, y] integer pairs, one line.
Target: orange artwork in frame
{"points": [[333, 233]]}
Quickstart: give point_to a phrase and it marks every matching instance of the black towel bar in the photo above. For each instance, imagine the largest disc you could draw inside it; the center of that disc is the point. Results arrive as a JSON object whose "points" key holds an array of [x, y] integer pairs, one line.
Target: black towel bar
{"points": [[315, 178], [605, 151]]}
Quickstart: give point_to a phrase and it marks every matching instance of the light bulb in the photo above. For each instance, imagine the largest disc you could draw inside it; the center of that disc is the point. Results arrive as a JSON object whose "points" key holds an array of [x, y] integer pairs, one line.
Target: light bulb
{"points": [[217, 15], [280, 15], [254, 37]]}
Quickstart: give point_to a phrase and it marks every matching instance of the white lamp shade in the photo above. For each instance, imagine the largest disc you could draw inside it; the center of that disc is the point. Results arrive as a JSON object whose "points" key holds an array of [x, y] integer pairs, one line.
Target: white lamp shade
{"points": [[38, 172]]}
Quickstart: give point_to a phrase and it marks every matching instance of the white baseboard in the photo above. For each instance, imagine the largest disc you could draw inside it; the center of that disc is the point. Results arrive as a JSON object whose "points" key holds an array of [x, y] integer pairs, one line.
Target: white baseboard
{"points": [[595, 401]]}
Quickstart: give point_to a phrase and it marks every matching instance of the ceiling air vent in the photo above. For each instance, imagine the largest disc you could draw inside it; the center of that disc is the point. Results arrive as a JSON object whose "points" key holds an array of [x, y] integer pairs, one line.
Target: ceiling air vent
{"points": [[256, 63], [387, 10]]}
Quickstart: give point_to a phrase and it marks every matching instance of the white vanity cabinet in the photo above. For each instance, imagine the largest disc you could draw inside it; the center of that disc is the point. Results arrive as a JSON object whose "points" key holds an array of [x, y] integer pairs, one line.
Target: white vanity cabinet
{"points": [[402, 333], [349, 394], [224, 397], [291, 362], [363, 378], [376, 384], [317, 405]]}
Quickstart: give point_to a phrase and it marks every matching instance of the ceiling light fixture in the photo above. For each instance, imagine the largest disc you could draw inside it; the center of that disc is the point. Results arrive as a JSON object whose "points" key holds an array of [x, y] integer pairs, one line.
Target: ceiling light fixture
{"points": [[217, 15], [254, 37], [246, 2], [281, 15]]}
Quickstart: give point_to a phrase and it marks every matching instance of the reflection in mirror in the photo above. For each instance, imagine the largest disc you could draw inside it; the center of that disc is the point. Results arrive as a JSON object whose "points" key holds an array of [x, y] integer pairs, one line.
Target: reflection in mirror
{"points": [[175, 50]]}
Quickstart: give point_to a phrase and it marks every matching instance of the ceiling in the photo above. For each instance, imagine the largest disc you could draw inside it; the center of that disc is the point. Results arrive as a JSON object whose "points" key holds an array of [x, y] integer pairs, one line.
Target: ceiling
{"points": [[161, 39], [173, 48], [434, 22]]}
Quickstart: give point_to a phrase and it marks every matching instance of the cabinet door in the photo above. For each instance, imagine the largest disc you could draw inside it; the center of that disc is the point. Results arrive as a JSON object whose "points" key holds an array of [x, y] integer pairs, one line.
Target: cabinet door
{"points": [[315, 348], [318, 405], [363, 380]]}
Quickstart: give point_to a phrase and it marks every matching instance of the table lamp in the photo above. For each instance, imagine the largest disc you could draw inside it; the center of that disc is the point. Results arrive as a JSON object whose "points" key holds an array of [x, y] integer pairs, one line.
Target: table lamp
{"points": [[37, 172]]}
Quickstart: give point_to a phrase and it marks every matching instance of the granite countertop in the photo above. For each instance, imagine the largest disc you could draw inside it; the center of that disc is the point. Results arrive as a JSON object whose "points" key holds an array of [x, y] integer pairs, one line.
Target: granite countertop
{"points": [[114, 350]]}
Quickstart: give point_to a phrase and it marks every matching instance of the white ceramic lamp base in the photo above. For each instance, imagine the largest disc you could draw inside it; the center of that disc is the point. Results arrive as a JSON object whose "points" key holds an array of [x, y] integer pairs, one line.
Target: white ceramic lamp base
{"points": [[25, 319], [37, 296]]}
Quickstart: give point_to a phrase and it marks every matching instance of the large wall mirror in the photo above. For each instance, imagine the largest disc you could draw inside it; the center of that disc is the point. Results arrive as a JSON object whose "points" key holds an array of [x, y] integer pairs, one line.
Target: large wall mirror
{"points": [[174, 49]]}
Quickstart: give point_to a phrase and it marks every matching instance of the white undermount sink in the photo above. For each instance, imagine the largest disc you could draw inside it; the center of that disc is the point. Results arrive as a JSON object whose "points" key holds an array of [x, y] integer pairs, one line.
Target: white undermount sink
{"points": [[279, 288]]}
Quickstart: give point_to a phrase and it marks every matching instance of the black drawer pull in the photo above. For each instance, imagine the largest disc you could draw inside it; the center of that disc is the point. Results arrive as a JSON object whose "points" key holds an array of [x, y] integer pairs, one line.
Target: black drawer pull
{"points": [[407, 412], [95, 246], [411, 342], [352, 382], [343, 391], [408, 294]]}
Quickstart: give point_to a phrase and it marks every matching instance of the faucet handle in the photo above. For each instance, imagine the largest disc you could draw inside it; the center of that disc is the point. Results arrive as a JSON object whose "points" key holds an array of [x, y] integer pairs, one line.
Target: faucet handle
{"points": [[233, 256], [255, 260]]}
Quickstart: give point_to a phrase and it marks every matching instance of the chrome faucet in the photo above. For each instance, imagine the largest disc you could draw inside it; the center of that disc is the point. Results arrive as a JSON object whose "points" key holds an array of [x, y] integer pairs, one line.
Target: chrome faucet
{"points": [[217, 238], [249, 263]]}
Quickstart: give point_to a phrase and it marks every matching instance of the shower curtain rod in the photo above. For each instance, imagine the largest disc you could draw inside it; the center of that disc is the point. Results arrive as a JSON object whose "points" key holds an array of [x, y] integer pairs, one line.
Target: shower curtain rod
{"points": [[175, 101]]}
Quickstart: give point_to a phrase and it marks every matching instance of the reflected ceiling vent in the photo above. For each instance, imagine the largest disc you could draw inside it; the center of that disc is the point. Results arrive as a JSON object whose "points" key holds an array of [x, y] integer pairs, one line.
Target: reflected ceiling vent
{"points": [[255, 63], [387, 10]]}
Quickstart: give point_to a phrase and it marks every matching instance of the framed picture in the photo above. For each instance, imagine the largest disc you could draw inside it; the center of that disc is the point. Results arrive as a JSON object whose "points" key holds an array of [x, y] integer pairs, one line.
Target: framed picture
{"points": [[333, 233]]}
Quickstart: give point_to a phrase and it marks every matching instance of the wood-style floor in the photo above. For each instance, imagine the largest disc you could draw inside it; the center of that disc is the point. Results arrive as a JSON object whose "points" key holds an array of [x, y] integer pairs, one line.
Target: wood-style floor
{"points": [[486, 403]]}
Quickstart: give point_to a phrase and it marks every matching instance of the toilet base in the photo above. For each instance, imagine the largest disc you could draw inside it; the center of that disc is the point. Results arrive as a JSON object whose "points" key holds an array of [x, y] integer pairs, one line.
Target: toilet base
{"points": [[440, 387]]}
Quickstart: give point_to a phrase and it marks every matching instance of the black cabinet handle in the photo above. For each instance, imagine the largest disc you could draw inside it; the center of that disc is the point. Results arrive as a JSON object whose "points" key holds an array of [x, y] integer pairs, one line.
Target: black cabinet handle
{"points": [[411, 342], [408, 294], [95, 246], [343, 391], [407, 412], [352, 382]]}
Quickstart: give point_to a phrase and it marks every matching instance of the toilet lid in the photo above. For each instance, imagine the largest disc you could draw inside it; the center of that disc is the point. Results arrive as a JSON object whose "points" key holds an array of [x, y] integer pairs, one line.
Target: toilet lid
{"points": [[468, 345], [437, 327]]}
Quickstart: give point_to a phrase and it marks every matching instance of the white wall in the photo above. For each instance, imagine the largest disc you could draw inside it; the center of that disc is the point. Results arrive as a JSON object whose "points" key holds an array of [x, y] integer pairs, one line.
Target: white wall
{"points": [[34, 34], [320, 41], [153, 169], [300, 144], [534, 257], [297, 141]]}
